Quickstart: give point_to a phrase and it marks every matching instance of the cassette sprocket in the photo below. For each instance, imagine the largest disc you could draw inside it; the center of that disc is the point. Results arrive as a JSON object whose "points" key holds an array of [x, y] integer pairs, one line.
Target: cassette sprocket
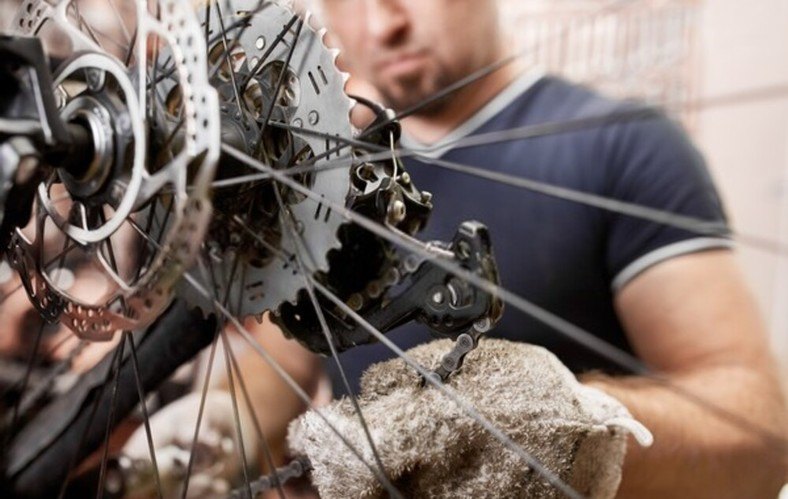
{"points": [[281, 95]]}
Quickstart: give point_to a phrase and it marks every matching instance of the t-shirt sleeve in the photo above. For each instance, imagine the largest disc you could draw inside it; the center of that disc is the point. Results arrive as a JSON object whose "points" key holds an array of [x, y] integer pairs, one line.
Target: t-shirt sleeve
{"points": [[653, 164]]}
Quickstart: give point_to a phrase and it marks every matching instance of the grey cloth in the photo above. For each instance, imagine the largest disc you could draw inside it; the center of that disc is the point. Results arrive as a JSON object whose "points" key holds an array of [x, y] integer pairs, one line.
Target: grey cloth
{"points": [[430, 448]]}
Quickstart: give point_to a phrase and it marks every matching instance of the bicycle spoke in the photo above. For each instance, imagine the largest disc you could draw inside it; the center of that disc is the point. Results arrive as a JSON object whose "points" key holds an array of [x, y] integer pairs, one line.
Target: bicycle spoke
{"points": [[93, 410], [537, 130], [110, 421], [300, 253], [320, 296], [280, 371], [113, 271], [571, 331], [691, 224], [25, 380], [154, 95], [200, 413], [203, 396], [36, 394], [144, 407], [94, 33], [279, 252], [231, 381], [267, 454], [82, 23], [261, 6], [312, 284], [119, 20], [52, 350], [132, 46], [616, 355], [280, 80], [534, 463], [71, 247], [118, 45], [231, 363], [236, 415], [61, 258], [263, 58], [227, 55], [207, 24]]}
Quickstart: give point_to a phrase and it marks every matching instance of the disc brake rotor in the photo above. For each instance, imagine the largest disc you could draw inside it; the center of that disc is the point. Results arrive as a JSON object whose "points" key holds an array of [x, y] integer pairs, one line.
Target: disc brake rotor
{"points": [[100, 216], [282, 70]]}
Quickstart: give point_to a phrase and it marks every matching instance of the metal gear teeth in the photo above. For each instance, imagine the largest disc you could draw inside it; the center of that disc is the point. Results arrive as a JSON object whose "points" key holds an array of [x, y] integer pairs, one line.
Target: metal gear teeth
{"points": [[309, 20], [321, 33]]}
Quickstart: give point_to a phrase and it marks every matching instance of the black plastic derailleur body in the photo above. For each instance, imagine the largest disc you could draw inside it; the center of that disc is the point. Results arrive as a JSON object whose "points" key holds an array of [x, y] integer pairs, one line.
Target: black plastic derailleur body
{"points": [[428, 293], [389, 286]]}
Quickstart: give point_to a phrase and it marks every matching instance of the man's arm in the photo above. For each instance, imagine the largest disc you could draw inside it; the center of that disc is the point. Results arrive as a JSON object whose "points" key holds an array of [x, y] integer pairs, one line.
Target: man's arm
{"points": [[692, 320]]}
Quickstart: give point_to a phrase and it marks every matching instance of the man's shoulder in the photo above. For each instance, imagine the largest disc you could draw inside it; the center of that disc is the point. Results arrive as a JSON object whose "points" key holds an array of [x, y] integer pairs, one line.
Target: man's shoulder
{"points": [[619, 127], [553, 98]]}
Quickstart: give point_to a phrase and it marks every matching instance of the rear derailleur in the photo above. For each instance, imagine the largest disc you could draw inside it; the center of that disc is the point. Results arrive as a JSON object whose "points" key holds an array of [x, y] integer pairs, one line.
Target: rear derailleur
{"points": [[388, 285]]}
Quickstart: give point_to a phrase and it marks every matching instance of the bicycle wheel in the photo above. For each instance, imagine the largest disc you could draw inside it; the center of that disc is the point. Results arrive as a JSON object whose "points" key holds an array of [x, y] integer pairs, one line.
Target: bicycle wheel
{"points": [[298, 201]]}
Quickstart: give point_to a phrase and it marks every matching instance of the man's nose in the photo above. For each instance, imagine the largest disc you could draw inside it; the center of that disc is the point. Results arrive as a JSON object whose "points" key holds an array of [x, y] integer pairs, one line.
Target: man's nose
{"points": [[387, 20]]}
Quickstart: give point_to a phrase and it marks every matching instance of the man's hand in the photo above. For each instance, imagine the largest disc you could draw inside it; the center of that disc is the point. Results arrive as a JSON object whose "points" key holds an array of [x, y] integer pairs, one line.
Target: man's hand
{"points": [[719, 423], [429, 446]]}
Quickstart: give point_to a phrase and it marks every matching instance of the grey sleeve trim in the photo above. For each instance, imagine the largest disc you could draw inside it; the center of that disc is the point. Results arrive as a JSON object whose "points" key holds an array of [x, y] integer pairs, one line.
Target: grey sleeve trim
{"points": [[665, 253]]}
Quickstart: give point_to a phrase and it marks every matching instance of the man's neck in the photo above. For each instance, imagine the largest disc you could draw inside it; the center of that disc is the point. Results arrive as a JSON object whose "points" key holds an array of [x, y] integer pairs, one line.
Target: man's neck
{"points": [[463, 103]]}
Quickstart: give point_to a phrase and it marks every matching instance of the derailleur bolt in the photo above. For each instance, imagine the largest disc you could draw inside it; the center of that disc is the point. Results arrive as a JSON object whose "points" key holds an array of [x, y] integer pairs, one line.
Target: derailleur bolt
{"points": [[397, 212], [355, 301], [464, 250]]}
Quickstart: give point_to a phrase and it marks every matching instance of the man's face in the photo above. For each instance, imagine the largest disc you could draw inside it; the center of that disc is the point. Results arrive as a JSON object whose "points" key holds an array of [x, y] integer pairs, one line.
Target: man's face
{"points": [[411, 49]]}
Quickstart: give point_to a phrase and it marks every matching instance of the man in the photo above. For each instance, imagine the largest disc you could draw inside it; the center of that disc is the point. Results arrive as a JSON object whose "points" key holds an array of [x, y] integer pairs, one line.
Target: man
{"points": [[673, 298]]}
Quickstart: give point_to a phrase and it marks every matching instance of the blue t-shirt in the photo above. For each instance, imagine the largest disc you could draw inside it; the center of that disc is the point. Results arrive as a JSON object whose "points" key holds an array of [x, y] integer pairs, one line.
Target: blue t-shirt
{"points": [[565, 257]]}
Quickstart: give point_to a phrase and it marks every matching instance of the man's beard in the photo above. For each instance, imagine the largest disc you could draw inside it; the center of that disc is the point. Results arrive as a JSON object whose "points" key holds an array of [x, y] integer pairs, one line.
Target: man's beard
{"points": [[413, 93]]}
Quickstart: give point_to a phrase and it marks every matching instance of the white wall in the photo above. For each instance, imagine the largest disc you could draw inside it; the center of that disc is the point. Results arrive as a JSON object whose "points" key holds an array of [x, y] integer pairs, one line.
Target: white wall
{"points": [[744, 47]]}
